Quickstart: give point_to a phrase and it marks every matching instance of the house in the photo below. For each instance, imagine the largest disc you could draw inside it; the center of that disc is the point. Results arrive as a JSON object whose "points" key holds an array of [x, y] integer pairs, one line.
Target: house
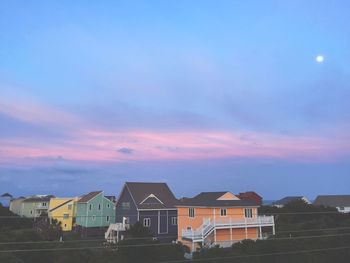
{"points": [[5, 199], [219, 218], [94, 213], [286, 200], [341, 202], [152, 204], [16, 205], [251, 196], [31, 207], [64, 211]]}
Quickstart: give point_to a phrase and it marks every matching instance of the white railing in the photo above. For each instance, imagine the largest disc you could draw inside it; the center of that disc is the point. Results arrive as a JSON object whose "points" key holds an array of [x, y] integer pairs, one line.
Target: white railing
{"points": [[226, 222], [112, 233]]}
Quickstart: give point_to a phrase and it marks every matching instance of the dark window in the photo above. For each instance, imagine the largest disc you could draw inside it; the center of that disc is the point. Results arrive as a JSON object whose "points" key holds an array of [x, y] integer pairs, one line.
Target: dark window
{"points": [[248, 213], [223, 212], [126, 205], [191, 212], [147, 222]]}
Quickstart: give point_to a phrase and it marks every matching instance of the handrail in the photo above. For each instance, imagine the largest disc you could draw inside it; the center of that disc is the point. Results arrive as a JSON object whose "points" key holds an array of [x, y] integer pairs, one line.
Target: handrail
{"points": [[202, 232]]}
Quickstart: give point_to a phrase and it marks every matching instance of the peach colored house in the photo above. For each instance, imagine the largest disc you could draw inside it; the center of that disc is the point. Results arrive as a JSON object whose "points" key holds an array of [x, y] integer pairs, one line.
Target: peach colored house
{"points": [[219, 218]]}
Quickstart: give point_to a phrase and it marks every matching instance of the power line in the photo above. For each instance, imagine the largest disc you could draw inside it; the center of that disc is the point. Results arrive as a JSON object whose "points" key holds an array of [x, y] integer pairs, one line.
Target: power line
{"points": [[152, 238], [260, 255]]}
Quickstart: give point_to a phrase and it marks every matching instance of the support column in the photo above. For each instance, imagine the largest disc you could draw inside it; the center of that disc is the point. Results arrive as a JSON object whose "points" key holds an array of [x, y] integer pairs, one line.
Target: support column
{"points": [[246, 229], [214, 224], [231, 235], [260, 232]]}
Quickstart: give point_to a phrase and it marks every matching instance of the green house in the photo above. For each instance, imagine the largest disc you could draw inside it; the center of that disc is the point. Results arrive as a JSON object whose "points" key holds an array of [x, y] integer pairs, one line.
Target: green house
{"points": [[95, 210]]}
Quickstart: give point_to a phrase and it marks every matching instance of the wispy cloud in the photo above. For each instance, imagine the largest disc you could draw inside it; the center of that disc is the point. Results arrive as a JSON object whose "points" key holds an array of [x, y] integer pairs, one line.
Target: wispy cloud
{"points": [[125, 150]]}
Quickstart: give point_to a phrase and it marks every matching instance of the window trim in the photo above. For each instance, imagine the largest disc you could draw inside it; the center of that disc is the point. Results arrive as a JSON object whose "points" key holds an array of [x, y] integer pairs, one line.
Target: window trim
{"points": [[174, 220], [147, 219], [191, 212], [223, 210], [248, 213]]}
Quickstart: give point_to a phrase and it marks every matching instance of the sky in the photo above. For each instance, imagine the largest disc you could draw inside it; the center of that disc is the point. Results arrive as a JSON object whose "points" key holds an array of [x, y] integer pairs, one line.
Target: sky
{"points": [[203, 95]]}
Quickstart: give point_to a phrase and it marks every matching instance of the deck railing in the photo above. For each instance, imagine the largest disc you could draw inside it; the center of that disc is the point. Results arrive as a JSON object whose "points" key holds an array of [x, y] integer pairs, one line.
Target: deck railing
{"points": [[226, 222]]}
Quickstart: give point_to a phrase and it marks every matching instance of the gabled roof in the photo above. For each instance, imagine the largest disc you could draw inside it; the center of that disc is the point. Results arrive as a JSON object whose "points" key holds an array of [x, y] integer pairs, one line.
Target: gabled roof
{"points": [[111, 198], [288, 199], [333, 200], [211, 199], [64, 203], [141, 191], [6, 195], [86, 198]]}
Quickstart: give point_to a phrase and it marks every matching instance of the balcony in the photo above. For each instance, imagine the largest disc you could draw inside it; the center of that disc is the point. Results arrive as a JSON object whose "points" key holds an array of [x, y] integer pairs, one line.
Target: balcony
{"points": [[209, 225]]}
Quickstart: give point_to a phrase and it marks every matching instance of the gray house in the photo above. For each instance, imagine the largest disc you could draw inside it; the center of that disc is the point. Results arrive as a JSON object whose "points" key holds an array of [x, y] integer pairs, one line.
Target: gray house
{"points": [[341, 202], [286, 200], [152, 204]]}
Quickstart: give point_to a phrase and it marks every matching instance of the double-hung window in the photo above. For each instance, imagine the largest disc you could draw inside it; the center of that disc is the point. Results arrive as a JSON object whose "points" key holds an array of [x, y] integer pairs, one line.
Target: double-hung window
{"points": [[147, 222], [223, 212], [248, 213], [191, 212], [174, 221]]}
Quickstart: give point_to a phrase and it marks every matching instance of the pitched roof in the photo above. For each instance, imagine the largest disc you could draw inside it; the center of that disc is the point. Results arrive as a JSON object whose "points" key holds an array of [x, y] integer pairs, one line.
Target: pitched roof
{"points": [[140, 191], [6, 195], [333, 200], [210, 199], [111, 198], [287, 200], [64, 203], [86, 198], [45, 198]]}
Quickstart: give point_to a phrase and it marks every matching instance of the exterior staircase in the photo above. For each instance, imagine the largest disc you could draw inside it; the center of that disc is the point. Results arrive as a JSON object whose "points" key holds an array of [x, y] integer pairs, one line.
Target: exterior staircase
{"points": [[112, 233]]}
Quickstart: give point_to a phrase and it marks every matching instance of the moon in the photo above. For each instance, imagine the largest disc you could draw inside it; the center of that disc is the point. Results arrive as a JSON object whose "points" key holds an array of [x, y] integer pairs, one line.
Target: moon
{"points": [[319, 59]]}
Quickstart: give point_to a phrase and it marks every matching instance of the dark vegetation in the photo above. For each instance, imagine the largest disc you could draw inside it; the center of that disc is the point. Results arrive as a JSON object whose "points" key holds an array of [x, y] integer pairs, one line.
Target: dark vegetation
{"points": [[295, 232]]}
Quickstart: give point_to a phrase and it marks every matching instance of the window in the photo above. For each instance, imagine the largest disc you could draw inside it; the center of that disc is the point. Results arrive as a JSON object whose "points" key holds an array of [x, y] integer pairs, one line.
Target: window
{"points": [[31, 212], [90, 207], [174, 221], [223, 212], [99, 206], [65, 225], [93, 218], [147, 222], [107, 218], [189, 228], [69, 207], [44, 204], [108, 205], [65, 216], [248, 213], [126, 205], [191, 212]]}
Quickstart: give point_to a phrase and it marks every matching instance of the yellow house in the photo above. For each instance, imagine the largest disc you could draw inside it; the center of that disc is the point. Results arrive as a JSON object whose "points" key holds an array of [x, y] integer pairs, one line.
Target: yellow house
{"points": [[64, 211]]}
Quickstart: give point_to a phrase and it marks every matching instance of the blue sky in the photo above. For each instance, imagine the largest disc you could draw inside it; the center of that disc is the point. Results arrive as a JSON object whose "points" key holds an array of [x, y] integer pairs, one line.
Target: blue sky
{"points": [[214, 95]]}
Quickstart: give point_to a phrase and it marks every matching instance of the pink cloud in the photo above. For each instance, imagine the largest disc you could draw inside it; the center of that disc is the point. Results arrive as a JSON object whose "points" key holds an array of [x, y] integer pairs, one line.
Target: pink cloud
{"points": [[100, 145], [88, 142]]}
